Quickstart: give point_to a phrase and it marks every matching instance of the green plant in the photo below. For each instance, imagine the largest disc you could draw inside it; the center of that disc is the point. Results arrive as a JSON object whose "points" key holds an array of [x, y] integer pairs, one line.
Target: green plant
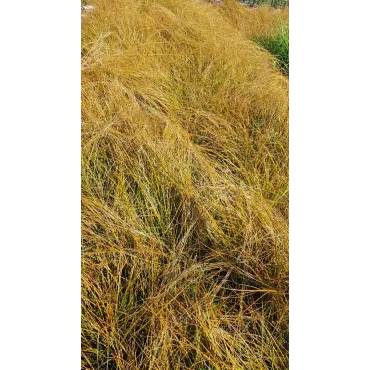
{"points": [[278, 45]]}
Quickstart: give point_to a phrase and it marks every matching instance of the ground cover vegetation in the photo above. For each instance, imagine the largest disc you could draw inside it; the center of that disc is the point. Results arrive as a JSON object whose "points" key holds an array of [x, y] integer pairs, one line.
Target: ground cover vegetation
{"points": [[278, 45], [184, 188]]}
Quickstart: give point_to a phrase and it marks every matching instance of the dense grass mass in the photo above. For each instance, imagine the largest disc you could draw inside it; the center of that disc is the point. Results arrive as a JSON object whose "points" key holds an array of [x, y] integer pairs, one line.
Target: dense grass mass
{"points": [[278, 45], [184, 188]]}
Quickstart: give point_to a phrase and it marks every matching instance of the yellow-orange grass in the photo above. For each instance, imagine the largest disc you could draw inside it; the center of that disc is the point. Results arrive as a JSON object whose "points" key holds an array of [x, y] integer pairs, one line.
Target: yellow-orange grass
{"points": [[184, 188]]}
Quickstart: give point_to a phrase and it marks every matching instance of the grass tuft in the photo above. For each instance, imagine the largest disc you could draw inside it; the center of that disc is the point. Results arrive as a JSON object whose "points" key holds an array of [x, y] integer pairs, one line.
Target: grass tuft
{"points": [[278, 45], [184, 188]]}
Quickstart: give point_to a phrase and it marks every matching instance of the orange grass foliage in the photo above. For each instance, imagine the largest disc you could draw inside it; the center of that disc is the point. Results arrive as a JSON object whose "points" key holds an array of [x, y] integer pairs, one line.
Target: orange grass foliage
{"points": [[184, 189]]}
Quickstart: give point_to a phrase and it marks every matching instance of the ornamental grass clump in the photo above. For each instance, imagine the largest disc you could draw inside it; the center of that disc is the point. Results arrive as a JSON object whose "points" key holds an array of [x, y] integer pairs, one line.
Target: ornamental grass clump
{"points": [[184, 189]]}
